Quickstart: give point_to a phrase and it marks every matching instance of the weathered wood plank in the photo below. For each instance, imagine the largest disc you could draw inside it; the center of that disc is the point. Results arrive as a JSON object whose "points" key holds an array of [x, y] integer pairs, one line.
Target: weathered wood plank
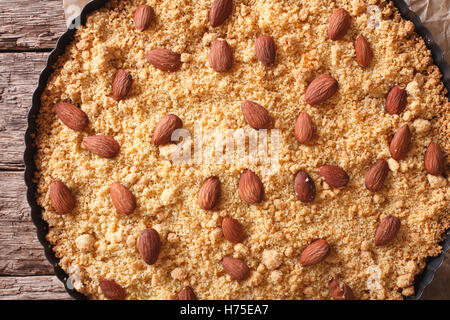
{"points": [[30, 24], [32, 288]]}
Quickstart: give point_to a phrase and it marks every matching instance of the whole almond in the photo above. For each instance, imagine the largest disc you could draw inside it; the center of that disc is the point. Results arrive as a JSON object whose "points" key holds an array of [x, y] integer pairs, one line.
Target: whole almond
{"points": [[340, 291], [339, 24], [122, 198], [251, 188], [314, 253], [164, 59], [320, 89], [363, 51], [376, 175], [265, 50], [387, 230], [400, 143], [304, 187], [434, 159], [221, 56], [187, 294], [304, 128], [164, 129], [61, 198], [112, 290], [71, 116], [220, 11], [396, 100], [143, 17], [149, 245], [236, 268], [209, 193], [232, 230], [121, 85], [256, 115], [334, 176], [103, 146]]}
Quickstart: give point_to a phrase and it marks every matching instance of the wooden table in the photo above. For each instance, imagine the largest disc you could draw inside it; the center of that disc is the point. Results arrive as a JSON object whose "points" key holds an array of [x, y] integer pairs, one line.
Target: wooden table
{"points": [[29, 30]]}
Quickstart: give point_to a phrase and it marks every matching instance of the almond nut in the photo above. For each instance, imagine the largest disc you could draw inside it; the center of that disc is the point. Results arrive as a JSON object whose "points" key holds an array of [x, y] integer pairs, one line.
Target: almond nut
{"points": [[103, 146], [121, 85], [363, 51], [122, 198], [339, 24], [304, 187], [164, 59], [209, 193], [334, 176], [434, 159], [304, 128], [396, 100], [256, 115], [251, 188], [232, 230], [71, 116], [143, 17], [320, 89], [387, 230], [340, 291], [376, 175], [236, 268], [265, 50], [220, 10], [187, 294], [164, 129], [112, 290], [61, 197], [149, 245], [400, 143], [221, 56], [314, 253]]}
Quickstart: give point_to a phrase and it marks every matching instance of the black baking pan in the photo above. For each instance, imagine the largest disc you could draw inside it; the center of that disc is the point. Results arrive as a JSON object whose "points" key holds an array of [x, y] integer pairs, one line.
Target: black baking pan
{"points": [[421, 281]]}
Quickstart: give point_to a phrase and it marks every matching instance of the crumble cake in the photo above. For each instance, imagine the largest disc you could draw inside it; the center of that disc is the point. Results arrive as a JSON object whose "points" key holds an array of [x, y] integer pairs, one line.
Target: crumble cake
{"points": [[358, 197]]}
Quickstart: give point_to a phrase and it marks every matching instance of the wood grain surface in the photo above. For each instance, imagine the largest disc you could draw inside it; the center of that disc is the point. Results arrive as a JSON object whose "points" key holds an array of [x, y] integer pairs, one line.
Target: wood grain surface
{"points": [[28, 31]]}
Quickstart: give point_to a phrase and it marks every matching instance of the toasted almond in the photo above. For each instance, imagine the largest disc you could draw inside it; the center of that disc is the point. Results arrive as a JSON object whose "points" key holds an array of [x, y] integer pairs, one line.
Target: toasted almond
{"points": [[363, 51], [335, 176], [220, 11], [400, 143], [320, 89], [61, 198], [149, 245], [314, 253], [266, 50], [304, 128], [232, 230], [396, 100], [187, 294], [251, 188], [112, 290], [387, 230], [71, 116], [339, 24], [236, 268], [256, 115], [340, 291], [376, 175], [122, 198], [143, 17], [434, 159], [121, 85], [304, 187], [209, 193], [103, 146], [164, 59], [164, 129], [221, 56]]}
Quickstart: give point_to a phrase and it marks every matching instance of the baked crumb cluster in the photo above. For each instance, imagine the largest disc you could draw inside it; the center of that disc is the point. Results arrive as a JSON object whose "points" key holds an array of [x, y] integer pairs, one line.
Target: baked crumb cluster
{"points": [[353, 129]]}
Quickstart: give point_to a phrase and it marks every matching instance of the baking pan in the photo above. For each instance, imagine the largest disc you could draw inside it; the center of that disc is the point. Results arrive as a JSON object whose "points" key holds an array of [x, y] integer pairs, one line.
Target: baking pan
{"points": [[421, 280]]}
